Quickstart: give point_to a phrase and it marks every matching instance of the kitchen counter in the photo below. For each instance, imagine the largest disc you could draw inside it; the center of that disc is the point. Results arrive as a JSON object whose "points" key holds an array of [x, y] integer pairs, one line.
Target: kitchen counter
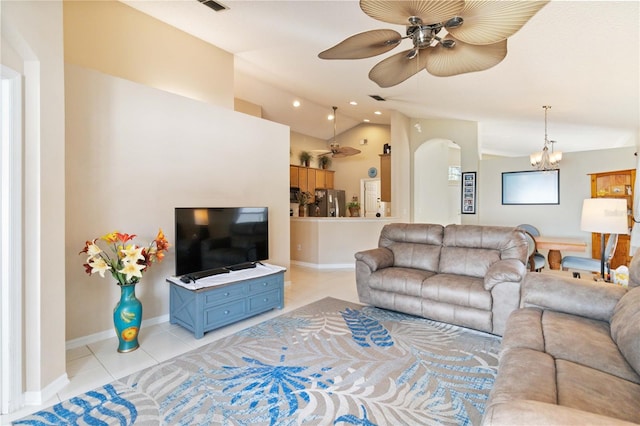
{"points": [[331, 242]]}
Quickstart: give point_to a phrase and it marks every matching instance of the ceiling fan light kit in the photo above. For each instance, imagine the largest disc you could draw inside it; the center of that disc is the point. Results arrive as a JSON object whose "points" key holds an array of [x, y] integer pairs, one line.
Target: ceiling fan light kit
{"points": [[449, 37]]}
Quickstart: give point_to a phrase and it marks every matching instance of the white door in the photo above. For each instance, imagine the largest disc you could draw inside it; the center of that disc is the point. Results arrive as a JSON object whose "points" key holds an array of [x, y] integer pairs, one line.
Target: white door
{"points": [[370, 195]]}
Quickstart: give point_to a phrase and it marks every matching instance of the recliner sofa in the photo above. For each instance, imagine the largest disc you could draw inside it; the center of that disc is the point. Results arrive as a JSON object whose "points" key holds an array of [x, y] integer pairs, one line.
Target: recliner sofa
{"points": [[571, 355], [467, 275]]}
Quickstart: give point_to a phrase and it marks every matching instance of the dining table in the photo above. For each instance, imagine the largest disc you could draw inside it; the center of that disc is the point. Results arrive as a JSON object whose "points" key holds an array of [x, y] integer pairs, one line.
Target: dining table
{"points": [[556, 245]]}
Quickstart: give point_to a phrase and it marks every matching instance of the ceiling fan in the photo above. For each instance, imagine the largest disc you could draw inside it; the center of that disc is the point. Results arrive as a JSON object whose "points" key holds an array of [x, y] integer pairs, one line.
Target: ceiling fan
{"points": [[450, 37], [335, 149]]}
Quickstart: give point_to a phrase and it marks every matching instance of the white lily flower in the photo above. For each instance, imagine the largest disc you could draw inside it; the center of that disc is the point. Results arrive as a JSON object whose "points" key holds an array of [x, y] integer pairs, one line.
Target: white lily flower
{"points": [[99, 265]]}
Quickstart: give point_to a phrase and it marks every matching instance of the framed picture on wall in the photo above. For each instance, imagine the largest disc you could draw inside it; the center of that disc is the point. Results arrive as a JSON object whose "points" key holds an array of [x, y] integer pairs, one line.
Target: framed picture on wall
{"points": [[469, 193]]}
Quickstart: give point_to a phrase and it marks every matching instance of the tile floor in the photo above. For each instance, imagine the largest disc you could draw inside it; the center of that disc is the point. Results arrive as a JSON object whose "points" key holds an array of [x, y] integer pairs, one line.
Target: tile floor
{"points": [[99, 363]]}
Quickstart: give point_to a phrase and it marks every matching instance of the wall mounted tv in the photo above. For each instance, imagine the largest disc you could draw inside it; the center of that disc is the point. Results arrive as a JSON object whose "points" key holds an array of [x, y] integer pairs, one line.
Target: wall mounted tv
{"points": [[209, 238], [531, 187]]}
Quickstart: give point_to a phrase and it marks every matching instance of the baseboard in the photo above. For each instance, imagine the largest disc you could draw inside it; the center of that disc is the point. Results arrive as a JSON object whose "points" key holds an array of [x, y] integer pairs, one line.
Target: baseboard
{"points": [[107, 334], [46, 393], [324, 265]]}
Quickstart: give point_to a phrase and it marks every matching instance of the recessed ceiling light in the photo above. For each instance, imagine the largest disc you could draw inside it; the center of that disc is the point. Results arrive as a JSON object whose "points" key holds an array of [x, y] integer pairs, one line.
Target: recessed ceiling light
{"points": [[377, 113], [366, 120], [296, 103], [330, 117], [354, 103]]}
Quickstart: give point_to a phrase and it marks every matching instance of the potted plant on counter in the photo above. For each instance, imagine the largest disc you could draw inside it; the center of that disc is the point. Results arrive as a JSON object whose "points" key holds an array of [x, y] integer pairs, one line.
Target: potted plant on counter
{"points": [[354, 207]]}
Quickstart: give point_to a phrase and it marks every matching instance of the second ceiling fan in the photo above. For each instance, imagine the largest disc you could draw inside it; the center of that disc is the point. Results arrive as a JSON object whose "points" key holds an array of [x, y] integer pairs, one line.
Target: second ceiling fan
{"points": [[335, 149], [450, 37]]}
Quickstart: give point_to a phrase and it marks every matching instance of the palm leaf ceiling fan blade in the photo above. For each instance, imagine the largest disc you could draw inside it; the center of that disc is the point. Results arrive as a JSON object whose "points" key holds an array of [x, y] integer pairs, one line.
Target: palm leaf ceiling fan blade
{"points": [[397, 68], [363, 45], [464, 58], [399, 12], [490, 21]]}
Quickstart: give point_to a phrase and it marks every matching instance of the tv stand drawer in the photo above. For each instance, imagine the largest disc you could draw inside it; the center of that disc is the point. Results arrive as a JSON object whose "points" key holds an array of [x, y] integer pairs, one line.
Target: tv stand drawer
{"points": [[209, 308]]}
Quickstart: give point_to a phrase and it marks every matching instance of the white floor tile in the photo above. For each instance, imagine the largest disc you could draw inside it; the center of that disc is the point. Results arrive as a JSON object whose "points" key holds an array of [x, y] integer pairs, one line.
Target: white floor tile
{"points": [[97, 364]]}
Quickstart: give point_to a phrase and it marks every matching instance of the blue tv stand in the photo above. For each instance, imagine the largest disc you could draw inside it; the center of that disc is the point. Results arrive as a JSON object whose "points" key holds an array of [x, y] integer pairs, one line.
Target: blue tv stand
{"points": [[225, 299]]}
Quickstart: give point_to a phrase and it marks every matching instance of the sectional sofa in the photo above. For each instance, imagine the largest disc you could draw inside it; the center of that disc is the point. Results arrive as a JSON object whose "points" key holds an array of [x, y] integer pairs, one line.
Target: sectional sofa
{"points": [[571, 355]]}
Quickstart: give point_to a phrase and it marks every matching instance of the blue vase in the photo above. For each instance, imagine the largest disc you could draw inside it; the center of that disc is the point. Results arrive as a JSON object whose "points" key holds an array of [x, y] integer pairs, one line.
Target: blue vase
{"points": [[127, 317]]}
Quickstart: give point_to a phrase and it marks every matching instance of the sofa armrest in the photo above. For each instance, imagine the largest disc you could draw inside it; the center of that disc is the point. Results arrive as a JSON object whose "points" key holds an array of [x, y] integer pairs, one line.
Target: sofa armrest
{"points": [[377, 258], [534, 413], [505, 270], [589, 299]]}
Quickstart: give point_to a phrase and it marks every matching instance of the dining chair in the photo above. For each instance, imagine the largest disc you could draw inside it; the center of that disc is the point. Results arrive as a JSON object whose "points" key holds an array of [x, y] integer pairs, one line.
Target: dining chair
{"points": [[535, 261], [589, 264]]}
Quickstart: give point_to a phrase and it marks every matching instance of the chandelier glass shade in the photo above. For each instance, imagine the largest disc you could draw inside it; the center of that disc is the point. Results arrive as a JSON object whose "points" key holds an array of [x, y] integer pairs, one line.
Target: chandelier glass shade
{"points": [[547, 159]]}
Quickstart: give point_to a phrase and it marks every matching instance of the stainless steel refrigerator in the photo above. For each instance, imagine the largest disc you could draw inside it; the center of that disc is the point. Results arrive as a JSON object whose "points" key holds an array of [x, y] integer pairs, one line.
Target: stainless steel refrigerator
{"points": [[330, 202]]}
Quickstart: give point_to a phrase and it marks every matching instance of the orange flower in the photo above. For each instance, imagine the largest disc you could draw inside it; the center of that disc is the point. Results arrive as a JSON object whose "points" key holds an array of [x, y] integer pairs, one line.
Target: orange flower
{"points": [[125, 237]]}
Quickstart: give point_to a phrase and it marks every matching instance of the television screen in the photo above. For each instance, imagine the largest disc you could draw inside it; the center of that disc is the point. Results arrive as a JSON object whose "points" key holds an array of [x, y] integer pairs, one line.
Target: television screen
{"points": [[210, 238], [531, 187]]}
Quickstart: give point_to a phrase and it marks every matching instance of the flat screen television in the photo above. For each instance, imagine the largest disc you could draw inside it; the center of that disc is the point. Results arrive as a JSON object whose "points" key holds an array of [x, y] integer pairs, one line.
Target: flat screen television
{"points": [[531, 187], [210, 238]]}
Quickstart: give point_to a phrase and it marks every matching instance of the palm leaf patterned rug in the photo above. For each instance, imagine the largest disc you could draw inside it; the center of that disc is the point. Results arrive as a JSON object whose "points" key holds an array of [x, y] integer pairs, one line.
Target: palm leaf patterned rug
{"points": [[329, 363]]}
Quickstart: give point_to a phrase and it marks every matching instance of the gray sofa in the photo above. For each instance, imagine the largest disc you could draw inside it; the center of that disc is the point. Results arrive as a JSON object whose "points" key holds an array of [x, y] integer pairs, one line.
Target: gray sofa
{"points": [[467, 275], [571, 355]]}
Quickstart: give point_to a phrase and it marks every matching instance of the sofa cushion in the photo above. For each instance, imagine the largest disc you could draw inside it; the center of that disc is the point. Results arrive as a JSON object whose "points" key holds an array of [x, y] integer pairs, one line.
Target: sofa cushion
{"points": [[457, 290], [467, 261], [406, 281], [525, 374], [420, 233], [625, 327], [510, 242], [597, 392], [419, 256], [584, 341]]}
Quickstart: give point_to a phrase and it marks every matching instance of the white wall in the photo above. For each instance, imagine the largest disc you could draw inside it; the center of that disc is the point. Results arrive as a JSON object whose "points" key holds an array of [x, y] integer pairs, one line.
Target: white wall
{"points": [[134, 153], [575, 186]]}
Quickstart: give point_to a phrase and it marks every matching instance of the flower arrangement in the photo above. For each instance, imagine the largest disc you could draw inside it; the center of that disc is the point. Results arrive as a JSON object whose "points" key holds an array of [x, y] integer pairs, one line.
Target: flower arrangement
{"points": [[304, 198], [127, 262]]}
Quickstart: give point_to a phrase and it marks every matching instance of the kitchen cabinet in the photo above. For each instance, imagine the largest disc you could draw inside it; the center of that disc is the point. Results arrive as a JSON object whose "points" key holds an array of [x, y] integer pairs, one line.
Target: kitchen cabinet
{"points": [[293, 177], [321, 179], [303, 176], [385, 177], [309, 178], [329, 179], [616, 184]]}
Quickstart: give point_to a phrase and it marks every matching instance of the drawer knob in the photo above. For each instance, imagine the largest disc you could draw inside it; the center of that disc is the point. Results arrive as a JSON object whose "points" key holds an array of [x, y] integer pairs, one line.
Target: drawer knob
{"points": [[226, 294], [226, 312], [264, 284], [266, 299]]}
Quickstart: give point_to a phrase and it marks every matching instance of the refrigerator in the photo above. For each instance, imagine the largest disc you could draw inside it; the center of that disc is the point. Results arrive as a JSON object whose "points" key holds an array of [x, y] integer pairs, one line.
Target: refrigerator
{"points": [[330, 203]]}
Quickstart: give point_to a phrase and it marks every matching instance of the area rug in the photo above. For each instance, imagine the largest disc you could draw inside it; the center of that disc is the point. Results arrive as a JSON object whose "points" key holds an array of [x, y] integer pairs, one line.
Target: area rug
{"points": [[329, 363]]}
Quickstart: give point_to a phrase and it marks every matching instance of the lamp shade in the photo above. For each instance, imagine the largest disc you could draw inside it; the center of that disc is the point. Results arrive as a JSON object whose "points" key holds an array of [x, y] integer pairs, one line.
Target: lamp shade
{"points": [[605, 216]]}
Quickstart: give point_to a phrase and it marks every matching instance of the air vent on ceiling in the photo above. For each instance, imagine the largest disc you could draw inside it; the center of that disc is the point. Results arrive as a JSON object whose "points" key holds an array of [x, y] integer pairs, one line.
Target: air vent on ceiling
{"points": [[214, 5], [377, 97]]}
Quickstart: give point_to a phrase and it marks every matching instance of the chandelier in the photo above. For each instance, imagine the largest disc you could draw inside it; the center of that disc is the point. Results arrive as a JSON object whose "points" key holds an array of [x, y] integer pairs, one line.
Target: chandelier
{"points": [[547, 159]]}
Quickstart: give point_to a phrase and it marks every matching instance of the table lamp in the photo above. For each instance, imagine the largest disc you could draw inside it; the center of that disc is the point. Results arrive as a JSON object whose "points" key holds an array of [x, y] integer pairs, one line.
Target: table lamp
{"points": [[605, 216]]}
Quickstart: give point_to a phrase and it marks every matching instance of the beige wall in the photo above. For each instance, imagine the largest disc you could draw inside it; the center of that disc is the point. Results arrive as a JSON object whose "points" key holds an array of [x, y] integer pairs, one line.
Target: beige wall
{"points": [[575, 185], [116, 39], [134, 153], [34, 32]]}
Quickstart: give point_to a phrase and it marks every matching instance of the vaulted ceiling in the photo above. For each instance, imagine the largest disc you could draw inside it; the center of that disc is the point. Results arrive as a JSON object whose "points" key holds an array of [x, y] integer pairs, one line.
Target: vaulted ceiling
{"points": [[580, 57]]}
